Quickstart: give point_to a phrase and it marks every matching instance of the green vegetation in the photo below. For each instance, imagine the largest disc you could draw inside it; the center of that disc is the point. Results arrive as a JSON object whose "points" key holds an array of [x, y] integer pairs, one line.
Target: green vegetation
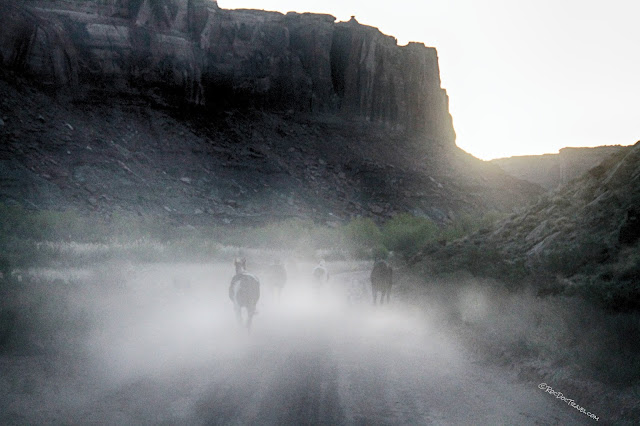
{"points": [[612, 285], [292, 234], [466, 224], [49, 237], [407, 235], [65, 239], [556, 338], [363, 238], [31, 307]]}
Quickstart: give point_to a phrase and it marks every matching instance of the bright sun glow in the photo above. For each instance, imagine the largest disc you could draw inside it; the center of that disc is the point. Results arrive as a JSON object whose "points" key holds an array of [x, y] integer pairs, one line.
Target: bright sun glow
{"points": [[525, 77]]}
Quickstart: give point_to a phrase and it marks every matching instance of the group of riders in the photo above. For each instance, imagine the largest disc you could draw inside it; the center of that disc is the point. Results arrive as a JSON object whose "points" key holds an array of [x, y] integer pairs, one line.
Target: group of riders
{"points": [[244, 290]]}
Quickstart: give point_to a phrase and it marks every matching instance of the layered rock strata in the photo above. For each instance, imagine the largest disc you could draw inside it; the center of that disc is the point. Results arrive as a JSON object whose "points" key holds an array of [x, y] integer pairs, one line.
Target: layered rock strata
{"points": [[191, 51]]}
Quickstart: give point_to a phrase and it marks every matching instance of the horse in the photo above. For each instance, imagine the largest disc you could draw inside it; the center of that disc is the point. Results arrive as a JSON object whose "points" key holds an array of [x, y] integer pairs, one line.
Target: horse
{"points": [[244, 292], [320, 274], [381, 281]]}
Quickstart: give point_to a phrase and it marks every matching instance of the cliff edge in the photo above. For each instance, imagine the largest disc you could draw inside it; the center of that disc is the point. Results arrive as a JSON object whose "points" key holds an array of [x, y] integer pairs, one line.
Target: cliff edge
{"points": [[180, 109], [193, 52]]}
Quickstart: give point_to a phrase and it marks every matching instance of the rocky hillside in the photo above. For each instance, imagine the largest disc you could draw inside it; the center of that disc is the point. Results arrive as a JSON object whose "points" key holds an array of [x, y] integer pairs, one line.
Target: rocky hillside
{"points": [[183, 110], [551, 170], [583, 237]]}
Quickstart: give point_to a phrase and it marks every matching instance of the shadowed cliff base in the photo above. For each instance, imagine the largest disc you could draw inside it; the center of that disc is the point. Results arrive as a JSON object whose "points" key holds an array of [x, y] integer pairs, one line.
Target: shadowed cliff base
{"points": [[124, 155]]}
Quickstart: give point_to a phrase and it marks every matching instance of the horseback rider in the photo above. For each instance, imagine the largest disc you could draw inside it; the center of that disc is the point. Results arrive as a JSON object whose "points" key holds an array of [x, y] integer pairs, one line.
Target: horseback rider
{"points": [[320, 274]]}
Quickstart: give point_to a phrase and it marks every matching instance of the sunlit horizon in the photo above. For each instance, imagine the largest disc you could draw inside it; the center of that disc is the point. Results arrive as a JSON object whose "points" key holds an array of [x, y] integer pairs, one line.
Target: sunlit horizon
{"points": [[523, 79]]}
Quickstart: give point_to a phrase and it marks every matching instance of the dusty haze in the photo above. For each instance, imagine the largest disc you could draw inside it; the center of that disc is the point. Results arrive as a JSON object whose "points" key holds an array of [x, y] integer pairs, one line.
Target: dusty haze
{"points": [[159, 344]]}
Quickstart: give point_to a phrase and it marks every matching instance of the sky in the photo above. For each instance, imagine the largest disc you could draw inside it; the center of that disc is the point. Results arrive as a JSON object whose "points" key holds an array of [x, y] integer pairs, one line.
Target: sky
{"points": [[523, 76]]}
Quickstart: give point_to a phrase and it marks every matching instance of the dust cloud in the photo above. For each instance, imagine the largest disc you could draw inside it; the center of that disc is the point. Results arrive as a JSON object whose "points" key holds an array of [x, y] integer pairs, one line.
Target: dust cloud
{"points": [[146, 329], [159, 343]]}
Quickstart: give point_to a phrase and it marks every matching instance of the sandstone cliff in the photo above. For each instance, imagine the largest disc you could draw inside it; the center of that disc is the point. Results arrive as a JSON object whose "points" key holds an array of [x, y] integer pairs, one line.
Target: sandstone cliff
{"points": [[192, 51], [551, 170], [179, 109]]}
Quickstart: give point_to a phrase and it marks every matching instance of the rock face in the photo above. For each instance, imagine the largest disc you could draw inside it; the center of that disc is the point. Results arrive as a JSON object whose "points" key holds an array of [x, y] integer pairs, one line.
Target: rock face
{"points": [[182, 110], [240, 166], [551, 170], [191, 51], [581, 237]]}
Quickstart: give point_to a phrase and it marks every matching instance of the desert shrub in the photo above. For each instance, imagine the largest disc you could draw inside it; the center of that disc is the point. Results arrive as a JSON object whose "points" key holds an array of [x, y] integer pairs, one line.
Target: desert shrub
{"points": [[406, 235], [282, 235], [66, 226], [47, 225], [363, 238], [618, 360], [479, 259], [560, 335], [614, 286], [466, 224], [189, 249], [568, 257], [303, 236], [11, 221], [37, 314], [454, 231], [30, 238], [23, 234], [20, 253], [323, 237], [129, 227]]}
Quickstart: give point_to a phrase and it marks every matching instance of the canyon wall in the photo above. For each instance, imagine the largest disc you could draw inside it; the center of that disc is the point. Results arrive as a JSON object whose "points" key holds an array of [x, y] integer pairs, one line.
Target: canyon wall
{"points": [[193, 52], [551, 170]]}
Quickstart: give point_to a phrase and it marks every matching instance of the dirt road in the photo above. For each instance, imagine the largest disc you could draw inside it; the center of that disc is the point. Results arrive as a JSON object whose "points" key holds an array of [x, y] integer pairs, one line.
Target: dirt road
{"points": [[168, 351]]}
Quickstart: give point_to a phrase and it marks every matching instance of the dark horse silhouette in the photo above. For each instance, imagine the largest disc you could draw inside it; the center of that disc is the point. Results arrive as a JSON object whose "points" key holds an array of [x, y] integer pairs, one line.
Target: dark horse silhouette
{"points": [[320, 274], [244, 292], [381, 280]]}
